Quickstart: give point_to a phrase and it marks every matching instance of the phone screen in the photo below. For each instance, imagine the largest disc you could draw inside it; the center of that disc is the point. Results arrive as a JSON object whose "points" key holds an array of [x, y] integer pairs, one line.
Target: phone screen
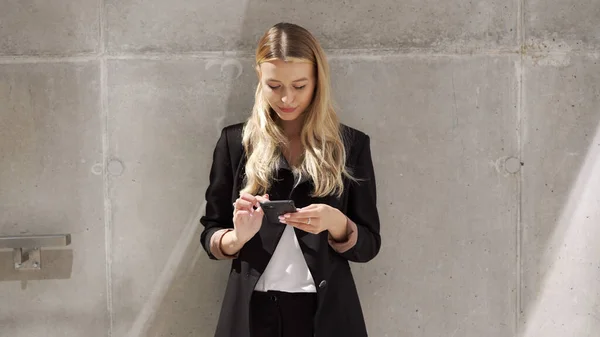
{"points": [[274, 209]]}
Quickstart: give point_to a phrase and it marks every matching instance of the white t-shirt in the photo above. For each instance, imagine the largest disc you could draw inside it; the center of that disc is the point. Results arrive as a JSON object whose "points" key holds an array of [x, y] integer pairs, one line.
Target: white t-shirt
{"points": [[287, 270]]}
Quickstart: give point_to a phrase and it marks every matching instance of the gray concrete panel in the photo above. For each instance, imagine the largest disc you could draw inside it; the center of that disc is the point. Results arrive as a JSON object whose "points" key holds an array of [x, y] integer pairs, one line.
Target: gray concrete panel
{"points": [[185, 26], [164, 121], [552, 25], [441, 131], [441, 243], [561, 203], [51, 183], [57, 27]]}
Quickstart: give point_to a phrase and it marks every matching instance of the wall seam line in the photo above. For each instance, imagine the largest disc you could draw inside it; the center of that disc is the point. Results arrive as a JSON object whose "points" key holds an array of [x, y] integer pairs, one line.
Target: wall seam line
{"points": [[519, 199], [101, 56]]}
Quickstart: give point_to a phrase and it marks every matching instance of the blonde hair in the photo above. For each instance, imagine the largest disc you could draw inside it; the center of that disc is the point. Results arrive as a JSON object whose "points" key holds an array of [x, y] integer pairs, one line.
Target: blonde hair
{"points": [[324, 155]]}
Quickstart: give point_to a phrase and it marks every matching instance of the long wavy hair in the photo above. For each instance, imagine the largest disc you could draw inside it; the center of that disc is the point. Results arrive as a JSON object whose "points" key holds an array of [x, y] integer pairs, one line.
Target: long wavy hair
{"points": [[324, 154]]}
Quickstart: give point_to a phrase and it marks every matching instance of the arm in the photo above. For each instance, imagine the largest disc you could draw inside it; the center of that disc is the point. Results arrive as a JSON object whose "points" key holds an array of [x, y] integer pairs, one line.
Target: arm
{"points": [[362, 239], [216, 238]]}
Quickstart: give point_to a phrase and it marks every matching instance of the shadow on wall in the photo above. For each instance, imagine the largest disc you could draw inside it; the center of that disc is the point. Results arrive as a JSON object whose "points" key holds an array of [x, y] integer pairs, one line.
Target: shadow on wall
{"points": [[186, 297], [178, 306]]}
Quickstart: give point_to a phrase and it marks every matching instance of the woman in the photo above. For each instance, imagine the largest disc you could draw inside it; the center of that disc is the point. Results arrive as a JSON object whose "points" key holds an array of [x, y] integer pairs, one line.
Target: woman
{"points": [[292, 277]]}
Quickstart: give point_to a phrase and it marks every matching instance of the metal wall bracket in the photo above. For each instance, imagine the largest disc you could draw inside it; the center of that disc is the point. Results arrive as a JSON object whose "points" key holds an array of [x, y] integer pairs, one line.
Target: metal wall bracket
{"points": [[27, 259], [27, 254]]}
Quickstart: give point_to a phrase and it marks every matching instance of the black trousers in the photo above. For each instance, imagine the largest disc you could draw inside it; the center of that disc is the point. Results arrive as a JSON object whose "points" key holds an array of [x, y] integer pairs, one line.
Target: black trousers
{"points": [[282, 314]]}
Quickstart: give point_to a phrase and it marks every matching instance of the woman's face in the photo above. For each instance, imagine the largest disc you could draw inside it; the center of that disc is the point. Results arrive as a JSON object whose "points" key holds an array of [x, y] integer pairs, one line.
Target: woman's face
{"points": [[287, 86]]}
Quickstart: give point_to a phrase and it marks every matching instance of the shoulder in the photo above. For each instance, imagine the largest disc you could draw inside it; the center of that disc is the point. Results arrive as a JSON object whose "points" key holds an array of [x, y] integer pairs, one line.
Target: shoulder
{"points": [[354, 139], [230, 138], [233, 133], [233, 129], [353, 133]]}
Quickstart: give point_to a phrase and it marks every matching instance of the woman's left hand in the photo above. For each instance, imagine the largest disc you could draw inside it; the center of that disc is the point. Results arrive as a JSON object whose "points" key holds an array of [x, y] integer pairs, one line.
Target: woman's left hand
{"points": [[316, 218]]}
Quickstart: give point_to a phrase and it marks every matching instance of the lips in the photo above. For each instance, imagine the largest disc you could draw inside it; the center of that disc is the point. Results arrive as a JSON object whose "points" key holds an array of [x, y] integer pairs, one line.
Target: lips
{"points": [[287, 109]]}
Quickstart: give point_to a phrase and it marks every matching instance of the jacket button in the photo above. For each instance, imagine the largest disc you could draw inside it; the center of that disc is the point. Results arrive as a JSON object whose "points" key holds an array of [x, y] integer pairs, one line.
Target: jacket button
{"points": [[322, 284]]}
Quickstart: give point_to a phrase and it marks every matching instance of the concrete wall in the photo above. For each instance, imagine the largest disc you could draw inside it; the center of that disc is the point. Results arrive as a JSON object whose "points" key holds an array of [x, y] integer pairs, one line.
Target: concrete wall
{"points": [[484, 119]]}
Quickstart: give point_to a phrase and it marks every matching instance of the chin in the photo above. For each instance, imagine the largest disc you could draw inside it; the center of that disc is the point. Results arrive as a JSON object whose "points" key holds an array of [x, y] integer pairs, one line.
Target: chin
{"points": [[288, 117]]}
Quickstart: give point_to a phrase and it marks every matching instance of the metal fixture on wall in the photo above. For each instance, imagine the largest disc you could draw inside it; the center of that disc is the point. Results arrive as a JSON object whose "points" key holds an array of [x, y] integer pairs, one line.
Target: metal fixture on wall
{"points": [[27, 253]]}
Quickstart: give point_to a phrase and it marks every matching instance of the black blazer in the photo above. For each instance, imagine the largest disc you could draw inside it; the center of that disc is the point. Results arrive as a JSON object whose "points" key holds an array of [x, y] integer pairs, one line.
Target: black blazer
{"points": [[339, 310]]}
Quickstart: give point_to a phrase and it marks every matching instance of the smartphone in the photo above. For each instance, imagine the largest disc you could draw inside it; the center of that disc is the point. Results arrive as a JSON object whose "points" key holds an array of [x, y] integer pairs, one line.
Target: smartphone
{"points": [[275, 208]]}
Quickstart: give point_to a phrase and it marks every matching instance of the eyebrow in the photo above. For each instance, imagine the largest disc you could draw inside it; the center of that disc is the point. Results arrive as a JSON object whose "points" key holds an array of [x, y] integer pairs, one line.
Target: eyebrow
{"points": [[298, 80]]}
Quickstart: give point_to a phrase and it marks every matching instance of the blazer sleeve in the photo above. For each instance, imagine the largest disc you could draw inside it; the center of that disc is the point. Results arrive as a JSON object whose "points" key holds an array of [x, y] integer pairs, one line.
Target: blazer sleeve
{"points": [[218, 215], [362, 209]]}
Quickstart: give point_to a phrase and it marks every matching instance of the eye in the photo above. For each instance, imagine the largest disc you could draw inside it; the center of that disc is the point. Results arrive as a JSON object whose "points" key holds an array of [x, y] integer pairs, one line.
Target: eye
{"points": [[300, 88], [273, 86]]}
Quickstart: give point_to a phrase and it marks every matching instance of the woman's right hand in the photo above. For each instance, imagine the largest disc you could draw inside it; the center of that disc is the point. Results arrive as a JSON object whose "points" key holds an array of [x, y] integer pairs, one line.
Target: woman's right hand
{"points": [[246, 219]]}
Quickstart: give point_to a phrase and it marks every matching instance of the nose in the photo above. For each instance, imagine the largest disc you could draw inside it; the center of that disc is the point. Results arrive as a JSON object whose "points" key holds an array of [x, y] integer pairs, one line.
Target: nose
{"points": [[287, 97]]}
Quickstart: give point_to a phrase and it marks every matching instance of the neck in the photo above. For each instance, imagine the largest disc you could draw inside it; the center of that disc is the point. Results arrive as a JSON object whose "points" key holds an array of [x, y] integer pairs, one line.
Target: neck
{"points": [[292, 129]]}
